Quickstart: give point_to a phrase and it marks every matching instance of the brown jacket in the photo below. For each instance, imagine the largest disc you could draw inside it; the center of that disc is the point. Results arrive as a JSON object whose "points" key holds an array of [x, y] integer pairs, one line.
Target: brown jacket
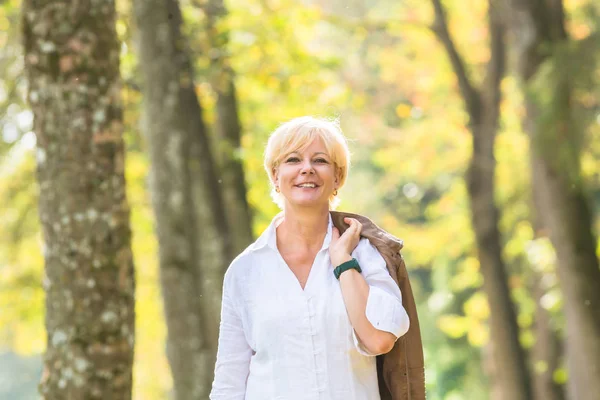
{"points": [[400, 372]]}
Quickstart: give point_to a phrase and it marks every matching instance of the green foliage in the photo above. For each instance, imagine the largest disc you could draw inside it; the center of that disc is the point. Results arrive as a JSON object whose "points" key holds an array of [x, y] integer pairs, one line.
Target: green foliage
{"points": [[382, 72]]}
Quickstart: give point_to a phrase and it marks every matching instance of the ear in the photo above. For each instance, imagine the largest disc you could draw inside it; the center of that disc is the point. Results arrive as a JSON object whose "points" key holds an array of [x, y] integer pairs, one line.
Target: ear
{"points": [[338, 175]]}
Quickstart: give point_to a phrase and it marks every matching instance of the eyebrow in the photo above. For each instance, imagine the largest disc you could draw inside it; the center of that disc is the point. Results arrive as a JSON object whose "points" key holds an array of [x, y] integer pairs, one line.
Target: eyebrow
{"points": [[319, 152]]}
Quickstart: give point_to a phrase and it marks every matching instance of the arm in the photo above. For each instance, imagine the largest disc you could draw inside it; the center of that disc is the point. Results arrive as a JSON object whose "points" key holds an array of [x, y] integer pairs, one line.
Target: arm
{"points": [[373, 300], [233, 354]]}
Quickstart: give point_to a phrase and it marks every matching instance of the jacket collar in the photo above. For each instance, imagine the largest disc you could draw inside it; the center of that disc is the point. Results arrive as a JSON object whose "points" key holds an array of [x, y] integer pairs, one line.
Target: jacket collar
{"points": [[269, 236], [384, 241]]}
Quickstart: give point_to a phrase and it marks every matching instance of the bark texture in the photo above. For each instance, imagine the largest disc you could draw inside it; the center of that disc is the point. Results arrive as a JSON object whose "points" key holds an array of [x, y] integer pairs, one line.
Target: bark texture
{"points": [[539, 37], [194, 242], [72, 64], [510, 374]]}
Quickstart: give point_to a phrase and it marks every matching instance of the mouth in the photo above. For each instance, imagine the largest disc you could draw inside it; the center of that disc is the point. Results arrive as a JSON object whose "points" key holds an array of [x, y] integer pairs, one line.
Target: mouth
{"points": [[307, 186]]}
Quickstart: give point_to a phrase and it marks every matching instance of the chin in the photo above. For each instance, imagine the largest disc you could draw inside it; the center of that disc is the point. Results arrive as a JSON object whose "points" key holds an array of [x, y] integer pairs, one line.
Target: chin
{"points": [[315, 203]]}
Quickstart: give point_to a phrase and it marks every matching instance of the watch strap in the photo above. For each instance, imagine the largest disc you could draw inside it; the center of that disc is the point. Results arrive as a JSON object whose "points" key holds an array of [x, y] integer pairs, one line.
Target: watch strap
{"points": [[352, 264]]}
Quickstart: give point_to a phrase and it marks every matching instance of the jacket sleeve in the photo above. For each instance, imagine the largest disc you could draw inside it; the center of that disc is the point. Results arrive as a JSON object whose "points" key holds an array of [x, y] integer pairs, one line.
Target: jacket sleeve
{"points": [[384, 305], [234, 353]]}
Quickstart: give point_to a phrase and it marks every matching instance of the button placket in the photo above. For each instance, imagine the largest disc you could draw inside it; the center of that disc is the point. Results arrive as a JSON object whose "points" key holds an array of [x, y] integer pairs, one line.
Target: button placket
{"points": [[310, 312], [320, 376]]}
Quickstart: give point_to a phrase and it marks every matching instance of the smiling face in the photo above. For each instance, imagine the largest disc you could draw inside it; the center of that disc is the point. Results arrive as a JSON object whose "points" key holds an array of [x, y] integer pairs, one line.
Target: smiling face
{"points": [[307, 177], [320, 147]]}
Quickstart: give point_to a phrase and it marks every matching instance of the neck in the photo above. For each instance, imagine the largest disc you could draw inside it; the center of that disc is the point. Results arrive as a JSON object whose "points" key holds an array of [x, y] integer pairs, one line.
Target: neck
{"points": [[306, 228]]}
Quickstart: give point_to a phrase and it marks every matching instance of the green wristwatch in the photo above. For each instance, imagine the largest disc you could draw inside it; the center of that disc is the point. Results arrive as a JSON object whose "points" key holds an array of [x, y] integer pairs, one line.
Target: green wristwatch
{"points": [[352, 264]]}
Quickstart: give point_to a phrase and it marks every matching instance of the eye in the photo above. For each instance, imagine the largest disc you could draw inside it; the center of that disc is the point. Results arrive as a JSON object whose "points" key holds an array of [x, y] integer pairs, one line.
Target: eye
{"points": [[321, 161], [292, 160]]}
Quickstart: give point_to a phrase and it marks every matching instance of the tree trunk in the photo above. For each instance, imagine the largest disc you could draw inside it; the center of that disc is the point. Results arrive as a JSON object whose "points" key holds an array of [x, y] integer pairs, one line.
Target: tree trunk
{"points": [[228, 128], [72, 64], [511, 376], [511, 373], [190, 219], [234, 184], [569, 220], [554, 149], [547, 349]]}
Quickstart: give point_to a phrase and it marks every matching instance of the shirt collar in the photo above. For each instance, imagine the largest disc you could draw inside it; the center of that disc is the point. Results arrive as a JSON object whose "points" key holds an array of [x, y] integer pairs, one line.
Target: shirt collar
{"points": [[269, 236]]}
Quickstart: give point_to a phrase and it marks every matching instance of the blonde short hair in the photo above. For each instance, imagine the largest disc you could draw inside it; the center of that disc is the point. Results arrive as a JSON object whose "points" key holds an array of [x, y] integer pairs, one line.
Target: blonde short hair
{"points": [[296, 135]]}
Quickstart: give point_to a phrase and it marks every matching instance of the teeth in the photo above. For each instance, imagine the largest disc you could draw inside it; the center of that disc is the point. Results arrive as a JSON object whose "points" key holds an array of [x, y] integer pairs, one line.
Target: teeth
{"points": [[307, 185]]}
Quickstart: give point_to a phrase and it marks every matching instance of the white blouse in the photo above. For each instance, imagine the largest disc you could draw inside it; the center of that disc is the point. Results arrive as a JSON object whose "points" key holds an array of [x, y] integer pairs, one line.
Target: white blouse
{"points": [[280, 342]]}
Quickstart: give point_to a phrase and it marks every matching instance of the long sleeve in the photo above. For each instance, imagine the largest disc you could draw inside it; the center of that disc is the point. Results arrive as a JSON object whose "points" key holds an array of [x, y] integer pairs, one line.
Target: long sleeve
{"points": [[234, 353], [384, 308]]}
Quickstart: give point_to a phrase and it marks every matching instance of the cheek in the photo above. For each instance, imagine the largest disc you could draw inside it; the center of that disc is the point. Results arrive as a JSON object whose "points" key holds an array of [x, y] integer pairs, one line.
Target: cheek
{"points": [[284, 176], [327, 173]]}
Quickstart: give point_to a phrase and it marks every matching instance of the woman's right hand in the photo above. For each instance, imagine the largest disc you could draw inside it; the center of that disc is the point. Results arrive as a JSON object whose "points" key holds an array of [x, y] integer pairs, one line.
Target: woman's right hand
{"points": [[341, 247]]}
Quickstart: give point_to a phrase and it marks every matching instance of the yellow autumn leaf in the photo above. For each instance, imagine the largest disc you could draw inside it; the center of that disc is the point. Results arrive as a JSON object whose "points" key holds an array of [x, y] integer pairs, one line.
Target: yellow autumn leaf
{"points": [[477, 307], [478, 334], [454, 326], [403, 110]]}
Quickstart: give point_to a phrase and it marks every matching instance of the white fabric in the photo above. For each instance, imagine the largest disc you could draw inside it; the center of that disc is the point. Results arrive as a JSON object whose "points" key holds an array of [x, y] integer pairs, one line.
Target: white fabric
{"points": [[279, 342]]}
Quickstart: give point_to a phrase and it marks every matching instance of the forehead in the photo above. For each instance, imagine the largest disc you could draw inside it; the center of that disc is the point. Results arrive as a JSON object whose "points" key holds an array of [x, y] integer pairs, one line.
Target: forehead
{"points": [[317, 145]]}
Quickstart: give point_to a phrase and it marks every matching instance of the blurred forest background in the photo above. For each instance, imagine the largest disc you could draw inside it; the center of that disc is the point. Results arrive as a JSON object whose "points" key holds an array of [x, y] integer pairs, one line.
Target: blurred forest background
{"points": [[475, 133]]}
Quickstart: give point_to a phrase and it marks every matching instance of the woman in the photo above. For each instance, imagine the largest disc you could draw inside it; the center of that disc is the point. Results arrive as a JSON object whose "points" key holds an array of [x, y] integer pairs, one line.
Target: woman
{"points": [[290, 327]]}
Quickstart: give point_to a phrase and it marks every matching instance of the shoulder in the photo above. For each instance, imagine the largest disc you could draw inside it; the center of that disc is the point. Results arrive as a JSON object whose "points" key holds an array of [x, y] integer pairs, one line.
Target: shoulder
{"points": [[239, 270], [366, 252], [242, 262], [364, 245], [248, 260]]}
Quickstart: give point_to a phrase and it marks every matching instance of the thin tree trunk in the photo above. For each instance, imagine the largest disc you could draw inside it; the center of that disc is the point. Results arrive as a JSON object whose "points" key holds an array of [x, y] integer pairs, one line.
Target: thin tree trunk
{"points": [[547, 349], [554, 149], [72, 64], [569, 219], [228, 128], [192, 231], [234, 184], [213, 257], [511, 376], [489, 369]]}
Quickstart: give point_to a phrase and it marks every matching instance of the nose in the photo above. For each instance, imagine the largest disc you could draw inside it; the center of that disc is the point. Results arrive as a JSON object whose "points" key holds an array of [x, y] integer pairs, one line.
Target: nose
{"points": [[307, 168]]}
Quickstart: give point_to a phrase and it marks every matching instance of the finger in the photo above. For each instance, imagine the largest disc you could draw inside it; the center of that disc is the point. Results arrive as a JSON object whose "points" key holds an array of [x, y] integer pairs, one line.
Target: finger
{"points": [[358, 227], [350, 221], [335, 234], [354, 225]]}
